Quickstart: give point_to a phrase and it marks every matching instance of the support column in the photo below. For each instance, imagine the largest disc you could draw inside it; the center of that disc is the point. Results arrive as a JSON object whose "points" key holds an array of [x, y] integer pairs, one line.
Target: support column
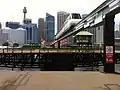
{"points": [[58, 44], [109, 48], [53, 45]]}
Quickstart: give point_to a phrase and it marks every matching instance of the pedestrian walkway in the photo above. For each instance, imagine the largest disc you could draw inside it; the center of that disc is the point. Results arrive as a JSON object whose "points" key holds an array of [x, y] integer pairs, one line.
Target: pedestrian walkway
{"points": [[36, 80]]}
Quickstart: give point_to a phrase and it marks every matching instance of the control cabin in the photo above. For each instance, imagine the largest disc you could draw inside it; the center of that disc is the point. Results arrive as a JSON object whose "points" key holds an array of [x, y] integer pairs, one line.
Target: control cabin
{"points": [[83, 38]]}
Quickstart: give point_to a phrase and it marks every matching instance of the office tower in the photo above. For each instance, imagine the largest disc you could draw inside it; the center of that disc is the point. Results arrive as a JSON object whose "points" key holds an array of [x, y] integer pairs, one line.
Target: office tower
{"points": [[12, 36], [61, 17], [32, 31], [41, 29], [49, 28], [27, 21]]}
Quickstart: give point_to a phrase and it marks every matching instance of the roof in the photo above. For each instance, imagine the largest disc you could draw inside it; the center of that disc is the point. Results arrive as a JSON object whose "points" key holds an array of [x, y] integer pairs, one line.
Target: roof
{"points": [[7, 28], [84, 33], [13, 29]]}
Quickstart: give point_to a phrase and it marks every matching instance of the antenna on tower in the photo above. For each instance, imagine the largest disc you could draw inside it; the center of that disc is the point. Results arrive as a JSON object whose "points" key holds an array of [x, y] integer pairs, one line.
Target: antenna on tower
{"points": [[24, 11]]}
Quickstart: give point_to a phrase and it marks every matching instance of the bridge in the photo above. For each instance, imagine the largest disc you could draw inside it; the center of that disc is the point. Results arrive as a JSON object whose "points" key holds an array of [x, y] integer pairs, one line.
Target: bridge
{"points": [[53, 59]]}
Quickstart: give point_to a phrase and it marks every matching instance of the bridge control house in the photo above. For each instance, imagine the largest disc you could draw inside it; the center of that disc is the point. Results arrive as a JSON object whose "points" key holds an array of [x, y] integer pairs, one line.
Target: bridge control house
{"points": [[83, 38]]}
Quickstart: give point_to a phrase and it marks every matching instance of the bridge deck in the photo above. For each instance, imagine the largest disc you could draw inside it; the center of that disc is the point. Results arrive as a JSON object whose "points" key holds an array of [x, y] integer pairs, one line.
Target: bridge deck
{"points": [[53, 51], [61, 81]]}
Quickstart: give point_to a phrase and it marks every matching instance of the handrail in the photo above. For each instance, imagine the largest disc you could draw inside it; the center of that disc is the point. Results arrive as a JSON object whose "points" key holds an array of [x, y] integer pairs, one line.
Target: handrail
{"points": [[55, 50]]}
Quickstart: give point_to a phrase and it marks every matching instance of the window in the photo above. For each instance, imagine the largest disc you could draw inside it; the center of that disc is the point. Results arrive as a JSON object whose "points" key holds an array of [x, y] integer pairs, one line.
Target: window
{"points": [[50, 25], [76, 16], [30, 33], [27, 33]]}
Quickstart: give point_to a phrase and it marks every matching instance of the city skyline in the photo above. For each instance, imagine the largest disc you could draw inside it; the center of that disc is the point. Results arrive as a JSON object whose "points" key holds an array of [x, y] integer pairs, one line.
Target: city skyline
{"points": [[36, 9]]}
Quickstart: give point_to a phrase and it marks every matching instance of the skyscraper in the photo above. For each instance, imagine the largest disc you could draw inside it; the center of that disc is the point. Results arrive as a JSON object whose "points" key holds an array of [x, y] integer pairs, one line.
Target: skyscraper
{"points": [[49, 27], [41, 28], [61, 17], [32, 31]]}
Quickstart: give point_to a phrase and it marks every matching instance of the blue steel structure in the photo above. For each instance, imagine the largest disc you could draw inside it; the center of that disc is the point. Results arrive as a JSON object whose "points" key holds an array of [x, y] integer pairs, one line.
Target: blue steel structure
{"points": [[49, 27]]}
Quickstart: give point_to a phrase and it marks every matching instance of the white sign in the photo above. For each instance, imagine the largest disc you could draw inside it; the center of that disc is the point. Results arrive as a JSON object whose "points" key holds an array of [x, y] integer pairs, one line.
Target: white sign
{"points": [[109, 49]]}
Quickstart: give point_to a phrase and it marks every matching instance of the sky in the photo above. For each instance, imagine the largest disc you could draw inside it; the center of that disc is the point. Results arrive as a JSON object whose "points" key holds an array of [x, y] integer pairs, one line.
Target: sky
{"points": [[12, 10]]}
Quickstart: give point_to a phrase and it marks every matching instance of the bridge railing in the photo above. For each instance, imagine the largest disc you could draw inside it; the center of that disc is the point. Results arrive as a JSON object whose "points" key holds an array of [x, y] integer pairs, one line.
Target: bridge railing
{"points": [[94, 49], [48, 50]]}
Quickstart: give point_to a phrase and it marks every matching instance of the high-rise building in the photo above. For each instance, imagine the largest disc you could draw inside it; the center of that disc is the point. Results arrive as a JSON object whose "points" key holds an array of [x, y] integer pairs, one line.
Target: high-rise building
{"points": [[32, 31], [13, 25], [12, 36], [27, 21], [61, 17], [41, 28], [49, 28]]}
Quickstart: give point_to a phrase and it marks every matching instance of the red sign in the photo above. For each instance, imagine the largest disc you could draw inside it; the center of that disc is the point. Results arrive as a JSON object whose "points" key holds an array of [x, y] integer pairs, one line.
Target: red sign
{"points": [[109, 58], [109, 54]]}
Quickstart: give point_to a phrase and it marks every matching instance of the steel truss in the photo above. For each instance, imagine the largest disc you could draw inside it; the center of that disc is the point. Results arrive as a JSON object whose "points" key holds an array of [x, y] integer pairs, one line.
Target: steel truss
{"points": [[52, 61]]}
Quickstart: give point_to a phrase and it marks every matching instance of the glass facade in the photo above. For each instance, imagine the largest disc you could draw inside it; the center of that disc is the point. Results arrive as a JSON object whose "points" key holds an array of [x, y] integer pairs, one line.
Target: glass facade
{"points": [[35, 33], [32, 33], [49, 27]]}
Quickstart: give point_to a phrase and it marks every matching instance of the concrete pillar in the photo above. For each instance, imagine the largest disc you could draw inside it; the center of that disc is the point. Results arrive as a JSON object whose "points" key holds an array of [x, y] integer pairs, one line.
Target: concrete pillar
{"points": [[109, 48], [53, 45]]}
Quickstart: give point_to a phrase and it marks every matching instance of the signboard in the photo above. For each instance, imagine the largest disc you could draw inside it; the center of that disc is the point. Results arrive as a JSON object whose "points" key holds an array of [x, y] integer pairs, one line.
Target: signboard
{"points": [[109, 54], [109, 49]]}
